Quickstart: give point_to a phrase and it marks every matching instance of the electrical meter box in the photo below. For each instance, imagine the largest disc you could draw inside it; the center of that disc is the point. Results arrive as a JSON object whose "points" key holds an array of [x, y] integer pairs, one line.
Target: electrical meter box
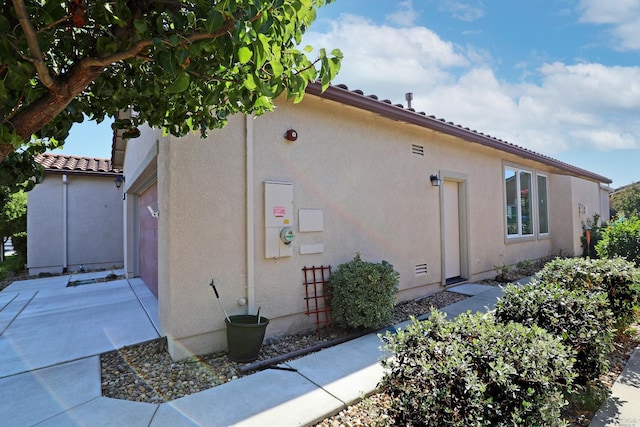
{"points": [[278, 219]]}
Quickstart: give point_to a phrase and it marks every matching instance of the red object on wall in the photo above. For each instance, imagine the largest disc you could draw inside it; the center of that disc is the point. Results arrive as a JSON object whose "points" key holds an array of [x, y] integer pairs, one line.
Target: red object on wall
{"points": [[315, 285]]}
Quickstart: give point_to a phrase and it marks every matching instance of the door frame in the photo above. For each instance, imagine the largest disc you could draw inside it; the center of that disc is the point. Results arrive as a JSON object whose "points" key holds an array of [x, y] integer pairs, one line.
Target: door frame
{"points": [[463, 222]]}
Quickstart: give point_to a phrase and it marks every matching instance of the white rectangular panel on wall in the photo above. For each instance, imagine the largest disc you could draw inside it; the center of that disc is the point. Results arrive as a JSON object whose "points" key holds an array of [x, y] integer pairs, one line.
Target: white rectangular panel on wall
{"points": [[314, 248], [278, 214], [310, 220]]}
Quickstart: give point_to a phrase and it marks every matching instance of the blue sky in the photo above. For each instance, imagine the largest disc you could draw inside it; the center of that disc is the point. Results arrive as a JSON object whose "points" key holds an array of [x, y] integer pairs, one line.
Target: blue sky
{"points": [[560, 77]]}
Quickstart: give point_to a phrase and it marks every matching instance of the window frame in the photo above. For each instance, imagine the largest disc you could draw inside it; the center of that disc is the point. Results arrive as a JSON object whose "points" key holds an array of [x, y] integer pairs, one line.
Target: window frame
{"points": [[538, 200], [518, 171]]}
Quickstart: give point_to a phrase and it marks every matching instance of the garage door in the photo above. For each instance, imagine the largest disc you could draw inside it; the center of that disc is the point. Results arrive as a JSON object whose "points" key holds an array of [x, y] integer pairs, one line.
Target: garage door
{"points": [[149, 238]]}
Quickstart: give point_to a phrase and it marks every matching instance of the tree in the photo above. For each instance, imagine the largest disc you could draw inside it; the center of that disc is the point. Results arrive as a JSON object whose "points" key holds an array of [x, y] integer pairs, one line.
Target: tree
{"points": [[627, 200], [183, 65], [13, 216]]}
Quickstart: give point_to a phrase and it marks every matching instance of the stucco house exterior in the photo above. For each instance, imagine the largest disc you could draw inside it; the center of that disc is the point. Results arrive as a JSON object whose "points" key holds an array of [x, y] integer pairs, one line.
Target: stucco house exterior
{"points": [[341, 173], [74, 216]]}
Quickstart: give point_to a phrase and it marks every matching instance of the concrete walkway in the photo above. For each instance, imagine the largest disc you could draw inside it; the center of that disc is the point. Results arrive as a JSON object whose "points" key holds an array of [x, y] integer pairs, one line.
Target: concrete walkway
{"points": [[51, 336]]}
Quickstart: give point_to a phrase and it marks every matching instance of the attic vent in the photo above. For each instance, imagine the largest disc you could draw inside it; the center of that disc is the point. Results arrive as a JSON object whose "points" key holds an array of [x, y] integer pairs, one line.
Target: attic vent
{"points": [[421, 269], [418, 150]]}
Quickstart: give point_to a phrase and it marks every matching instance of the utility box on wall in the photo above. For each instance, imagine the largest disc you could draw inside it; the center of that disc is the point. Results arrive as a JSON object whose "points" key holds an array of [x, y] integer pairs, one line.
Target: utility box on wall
{"points": [[278, 219]]}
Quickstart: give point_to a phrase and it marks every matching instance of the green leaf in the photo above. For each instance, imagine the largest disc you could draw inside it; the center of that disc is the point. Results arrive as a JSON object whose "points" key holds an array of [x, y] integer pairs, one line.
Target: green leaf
{"points": [[106, 45], [250, 82], [180, 84], [4, 25], [140, 25], [167, 61], [277, 68], [244, 55], [18, 76]]}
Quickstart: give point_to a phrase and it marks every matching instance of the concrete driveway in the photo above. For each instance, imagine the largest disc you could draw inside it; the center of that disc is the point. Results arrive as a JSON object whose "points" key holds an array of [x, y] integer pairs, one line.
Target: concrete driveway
{"points": [[51, 336]]}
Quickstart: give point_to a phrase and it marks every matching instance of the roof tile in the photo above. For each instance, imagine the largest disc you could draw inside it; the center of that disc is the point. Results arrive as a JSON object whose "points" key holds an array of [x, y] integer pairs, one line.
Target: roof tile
{"points": [[60, 162]]}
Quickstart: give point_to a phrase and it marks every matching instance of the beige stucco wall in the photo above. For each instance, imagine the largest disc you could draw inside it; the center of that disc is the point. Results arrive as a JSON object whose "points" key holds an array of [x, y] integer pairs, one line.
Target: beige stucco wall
{"points": [[375, 194], [93, 220]]}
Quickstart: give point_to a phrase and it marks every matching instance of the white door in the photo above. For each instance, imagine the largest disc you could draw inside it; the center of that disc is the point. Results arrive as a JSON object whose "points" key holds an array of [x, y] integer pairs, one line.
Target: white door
{"points": [[451, 207]]}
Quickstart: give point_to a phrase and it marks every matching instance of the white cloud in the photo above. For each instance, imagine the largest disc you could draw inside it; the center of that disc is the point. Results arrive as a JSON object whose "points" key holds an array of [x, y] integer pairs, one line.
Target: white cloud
{"points": [[465, 11], [621, 16], [405, 15], [573, 106], [607, 140], [391, 60]]}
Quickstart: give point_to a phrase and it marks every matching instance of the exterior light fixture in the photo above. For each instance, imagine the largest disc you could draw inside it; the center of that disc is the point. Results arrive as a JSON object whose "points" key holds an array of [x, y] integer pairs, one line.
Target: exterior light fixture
{"points": [[435, 180], [119, 181], [291, 135]]}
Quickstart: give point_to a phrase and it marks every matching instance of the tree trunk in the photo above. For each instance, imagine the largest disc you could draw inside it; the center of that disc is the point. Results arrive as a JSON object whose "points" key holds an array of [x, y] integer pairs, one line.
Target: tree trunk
{"points": [[39, 113], [5, 149]]}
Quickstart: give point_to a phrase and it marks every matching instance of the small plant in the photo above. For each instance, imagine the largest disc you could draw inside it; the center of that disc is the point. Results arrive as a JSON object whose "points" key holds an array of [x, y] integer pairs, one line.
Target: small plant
{"points": [[502, 273], [473, 371], [594, 227], [621, 239], [581, 319], [526, 267], [363, 294]]}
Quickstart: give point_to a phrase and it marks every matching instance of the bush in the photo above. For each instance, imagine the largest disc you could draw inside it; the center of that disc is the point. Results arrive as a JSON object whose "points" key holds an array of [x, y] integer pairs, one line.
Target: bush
{"points": [[19, 242], [617, 277], [12, 263], [621, 239], [362, 294], [571, 273], [474, 372], [581, 319]]}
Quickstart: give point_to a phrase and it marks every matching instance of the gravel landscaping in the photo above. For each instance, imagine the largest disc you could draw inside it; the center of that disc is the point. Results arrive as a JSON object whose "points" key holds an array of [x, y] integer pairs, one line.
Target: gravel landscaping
{"points": [[146, 372]]}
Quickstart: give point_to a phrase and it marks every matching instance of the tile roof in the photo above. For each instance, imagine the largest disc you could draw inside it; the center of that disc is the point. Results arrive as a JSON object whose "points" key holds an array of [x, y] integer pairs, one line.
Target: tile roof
{"points": [[75, 164], [356, 98]]}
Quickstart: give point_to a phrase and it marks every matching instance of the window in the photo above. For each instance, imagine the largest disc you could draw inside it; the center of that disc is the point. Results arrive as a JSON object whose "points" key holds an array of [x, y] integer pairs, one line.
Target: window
{"points": [[543, 205], [526, 202], [519, 191]]}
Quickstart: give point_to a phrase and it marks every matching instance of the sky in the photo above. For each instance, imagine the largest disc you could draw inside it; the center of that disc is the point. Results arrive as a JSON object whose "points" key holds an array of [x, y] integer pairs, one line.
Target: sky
{"points": [[560, 77]]}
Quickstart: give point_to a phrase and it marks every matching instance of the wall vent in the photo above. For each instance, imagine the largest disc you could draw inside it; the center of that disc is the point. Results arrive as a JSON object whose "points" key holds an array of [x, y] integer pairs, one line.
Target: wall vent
{"points": [[418, 150], [421, 269]]}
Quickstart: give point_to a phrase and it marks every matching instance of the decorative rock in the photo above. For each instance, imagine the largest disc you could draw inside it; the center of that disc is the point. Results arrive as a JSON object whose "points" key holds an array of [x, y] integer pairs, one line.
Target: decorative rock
{"points": [[146, 372]]}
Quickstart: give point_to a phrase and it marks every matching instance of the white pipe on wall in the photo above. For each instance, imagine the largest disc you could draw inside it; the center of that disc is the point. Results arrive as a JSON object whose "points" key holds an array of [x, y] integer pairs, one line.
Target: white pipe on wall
{"points": [[251, 285], [65, 238]]}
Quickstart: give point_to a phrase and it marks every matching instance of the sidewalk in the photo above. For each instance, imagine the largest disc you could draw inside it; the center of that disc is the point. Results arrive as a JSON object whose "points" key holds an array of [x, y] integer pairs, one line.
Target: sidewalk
{"points": [[50, 373]]}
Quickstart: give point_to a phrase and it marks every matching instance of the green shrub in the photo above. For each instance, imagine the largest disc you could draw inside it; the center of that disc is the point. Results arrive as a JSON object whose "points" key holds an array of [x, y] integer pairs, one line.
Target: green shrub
{"points": [[617, 277], [12, 263], [581, 319], [621, 239], [363, 294], [473, 371], [571, 273], [19, 241]]}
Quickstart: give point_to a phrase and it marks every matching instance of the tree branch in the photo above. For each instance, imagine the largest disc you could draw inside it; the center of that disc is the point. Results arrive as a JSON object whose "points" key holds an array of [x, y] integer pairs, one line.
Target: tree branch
{"points": [[32, 41], [143, 44], [53, 24], [213, 78]]}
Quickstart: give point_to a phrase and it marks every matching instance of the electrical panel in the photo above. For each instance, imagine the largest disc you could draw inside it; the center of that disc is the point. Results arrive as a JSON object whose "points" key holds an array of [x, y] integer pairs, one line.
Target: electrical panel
{"points": [[278, 219]]}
